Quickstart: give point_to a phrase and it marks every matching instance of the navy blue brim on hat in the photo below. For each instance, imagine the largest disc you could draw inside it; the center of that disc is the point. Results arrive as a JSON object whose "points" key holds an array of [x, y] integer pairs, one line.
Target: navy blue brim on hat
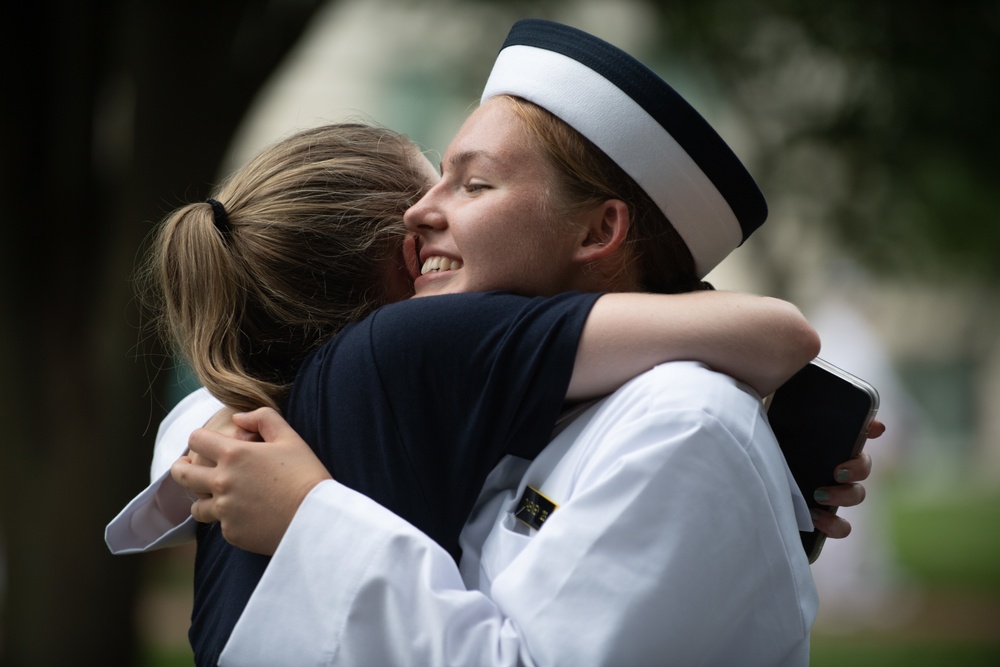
{"points": [[642, 124]]}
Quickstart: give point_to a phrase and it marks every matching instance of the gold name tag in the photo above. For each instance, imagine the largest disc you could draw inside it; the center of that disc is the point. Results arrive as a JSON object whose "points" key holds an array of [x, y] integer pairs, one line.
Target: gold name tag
{"points": [[534, 508]]}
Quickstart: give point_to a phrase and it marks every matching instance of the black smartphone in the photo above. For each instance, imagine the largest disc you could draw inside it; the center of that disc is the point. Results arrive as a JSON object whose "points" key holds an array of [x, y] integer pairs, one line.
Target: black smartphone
{"points": [[820, 418]]}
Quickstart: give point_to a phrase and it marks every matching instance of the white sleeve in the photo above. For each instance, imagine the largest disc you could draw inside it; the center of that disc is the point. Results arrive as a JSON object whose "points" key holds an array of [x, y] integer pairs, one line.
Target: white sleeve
{"points": [[159, 516], [353, 584], [192, 412], [670, 551], [670, 545]]}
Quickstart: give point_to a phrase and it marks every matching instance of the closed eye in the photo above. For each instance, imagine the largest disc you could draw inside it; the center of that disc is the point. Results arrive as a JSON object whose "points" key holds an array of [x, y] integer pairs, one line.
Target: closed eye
{"points": [[476, 186]]}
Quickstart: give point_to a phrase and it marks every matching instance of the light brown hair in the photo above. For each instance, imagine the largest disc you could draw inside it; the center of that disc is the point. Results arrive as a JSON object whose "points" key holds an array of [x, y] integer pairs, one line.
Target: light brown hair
{"points": [[586, 177], [314, 225]]}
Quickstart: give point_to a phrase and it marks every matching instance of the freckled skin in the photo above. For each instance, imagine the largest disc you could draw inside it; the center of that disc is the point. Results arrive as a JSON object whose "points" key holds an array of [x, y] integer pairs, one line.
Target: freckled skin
{"points": [[489, 211]]}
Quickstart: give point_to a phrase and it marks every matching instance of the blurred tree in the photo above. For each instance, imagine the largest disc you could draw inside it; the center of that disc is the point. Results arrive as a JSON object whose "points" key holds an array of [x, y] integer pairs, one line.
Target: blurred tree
{"points": [[114, 112], [880, 114]]}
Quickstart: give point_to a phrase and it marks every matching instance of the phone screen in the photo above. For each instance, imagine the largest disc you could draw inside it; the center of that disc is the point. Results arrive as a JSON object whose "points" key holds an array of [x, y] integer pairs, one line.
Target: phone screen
{"points": [[820, 418]]}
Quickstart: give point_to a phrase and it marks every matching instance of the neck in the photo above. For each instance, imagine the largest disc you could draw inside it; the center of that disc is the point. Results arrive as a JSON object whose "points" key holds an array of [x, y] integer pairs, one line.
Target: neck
{"points": [[610, 277]]}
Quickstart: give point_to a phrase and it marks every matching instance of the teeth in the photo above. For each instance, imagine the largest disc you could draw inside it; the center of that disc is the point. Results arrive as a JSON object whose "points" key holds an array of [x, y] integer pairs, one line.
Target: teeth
{"points": [[436, 264]]}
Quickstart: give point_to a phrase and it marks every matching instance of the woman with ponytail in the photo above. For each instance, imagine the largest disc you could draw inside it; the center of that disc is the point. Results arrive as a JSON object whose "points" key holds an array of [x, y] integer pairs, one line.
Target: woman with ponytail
{"points": [[301, 241], [276, 291]]}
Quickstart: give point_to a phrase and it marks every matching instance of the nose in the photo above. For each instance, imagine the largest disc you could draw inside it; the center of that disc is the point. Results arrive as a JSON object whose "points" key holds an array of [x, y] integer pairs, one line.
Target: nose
{"points": [[425, 215]]}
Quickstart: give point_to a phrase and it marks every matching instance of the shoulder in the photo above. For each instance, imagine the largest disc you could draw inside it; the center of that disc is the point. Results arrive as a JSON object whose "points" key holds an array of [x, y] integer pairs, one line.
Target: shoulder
{"points": [[456, 315], [422, 307], [691, 384], [688, 396]]}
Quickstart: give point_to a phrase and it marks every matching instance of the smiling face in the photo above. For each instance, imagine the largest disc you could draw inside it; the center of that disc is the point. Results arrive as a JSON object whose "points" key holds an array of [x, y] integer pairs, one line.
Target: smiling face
{"points": [[399, 269], [489, 223]]}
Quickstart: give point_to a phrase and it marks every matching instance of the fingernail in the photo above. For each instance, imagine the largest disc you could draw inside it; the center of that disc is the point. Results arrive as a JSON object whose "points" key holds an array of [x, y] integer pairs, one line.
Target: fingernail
{"points": [[821, 496], [843, 475], [814, 514]]}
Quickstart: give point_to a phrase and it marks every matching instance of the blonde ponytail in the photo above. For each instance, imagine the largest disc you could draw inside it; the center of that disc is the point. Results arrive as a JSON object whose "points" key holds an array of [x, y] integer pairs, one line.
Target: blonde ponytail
{"points": [[313, 224]]}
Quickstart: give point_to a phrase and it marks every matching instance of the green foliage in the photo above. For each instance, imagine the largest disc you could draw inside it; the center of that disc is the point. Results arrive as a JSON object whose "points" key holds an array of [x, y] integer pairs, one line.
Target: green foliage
{"points": [[950, 551], [951, 543], [898, 100], [902, 654], [163, 658]]}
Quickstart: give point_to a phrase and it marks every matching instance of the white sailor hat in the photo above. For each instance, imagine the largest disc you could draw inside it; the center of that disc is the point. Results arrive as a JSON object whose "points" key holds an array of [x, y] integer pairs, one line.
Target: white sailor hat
{"points": [[642, 124]]}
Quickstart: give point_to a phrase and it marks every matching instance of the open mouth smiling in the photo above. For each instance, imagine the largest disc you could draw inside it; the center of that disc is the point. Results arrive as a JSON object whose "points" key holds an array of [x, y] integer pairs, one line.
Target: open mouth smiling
{"points": [[438, 264]]}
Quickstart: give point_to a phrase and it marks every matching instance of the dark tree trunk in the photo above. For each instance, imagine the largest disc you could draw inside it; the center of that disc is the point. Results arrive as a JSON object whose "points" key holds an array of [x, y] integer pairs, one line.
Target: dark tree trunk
{"points": [[113, 113]]}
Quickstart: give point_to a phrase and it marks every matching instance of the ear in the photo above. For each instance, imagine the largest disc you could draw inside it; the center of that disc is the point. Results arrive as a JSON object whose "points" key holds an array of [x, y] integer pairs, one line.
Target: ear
{"points": [[604, 235]]}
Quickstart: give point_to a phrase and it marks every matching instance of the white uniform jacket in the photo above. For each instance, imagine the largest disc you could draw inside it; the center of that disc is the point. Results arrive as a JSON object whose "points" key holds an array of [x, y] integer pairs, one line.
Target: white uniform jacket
{"points": [[675, 542], [160, 516]]}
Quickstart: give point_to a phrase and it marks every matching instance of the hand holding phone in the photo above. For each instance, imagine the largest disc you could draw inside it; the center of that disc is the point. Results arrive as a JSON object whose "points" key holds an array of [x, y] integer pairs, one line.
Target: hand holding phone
{"points": [[820, 418]]}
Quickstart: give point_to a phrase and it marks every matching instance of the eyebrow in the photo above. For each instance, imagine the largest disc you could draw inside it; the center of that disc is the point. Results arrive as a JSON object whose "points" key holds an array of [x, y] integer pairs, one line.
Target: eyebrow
{"points": [[465, 157]]}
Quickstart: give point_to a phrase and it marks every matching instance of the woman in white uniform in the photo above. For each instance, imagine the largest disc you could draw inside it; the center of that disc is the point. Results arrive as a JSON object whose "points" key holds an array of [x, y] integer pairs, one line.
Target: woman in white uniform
{"points": [[661, 526], [268, 279]]}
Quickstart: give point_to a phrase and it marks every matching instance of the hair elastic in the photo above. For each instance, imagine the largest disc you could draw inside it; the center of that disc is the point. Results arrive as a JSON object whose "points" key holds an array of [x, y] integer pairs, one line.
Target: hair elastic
{"points": [[220, 216]]}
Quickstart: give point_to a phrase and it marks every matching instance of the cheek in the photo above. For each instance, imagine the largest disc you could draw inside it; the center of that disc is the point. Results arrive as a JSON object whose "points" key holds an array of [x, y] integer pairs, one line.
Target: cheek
{"points": [[517, 241], [519, 244], [541, 236], [531, 225], [538, 261]]}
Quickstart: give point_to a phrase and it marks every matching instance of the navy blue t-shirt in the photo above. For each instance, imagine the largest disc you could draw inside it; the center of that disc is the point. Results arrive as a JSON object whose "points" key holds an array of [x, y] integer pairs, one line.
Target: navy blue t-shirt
{"points": [[413, 407]]}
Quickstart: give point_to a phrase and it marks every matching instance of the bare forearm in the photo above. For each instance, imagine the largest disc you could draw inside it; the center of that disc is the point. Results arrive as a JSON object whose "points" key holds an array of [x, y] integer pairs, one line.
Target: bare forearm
{"points": [[759, 340]]}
